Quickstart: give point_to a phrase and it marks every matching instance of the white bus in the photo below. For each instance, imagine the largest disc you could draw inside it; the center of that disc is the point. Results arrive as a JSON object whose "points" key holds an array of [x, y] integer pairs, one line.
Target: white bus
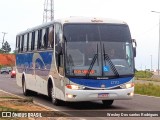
{"points": [[77, 59]]}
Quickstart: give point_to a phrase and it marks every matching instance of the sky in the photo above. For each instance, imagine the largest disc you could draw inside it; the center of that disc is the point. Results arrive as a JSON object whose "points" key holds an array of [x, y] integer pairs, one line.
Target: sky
{"points": [[19, 15]]}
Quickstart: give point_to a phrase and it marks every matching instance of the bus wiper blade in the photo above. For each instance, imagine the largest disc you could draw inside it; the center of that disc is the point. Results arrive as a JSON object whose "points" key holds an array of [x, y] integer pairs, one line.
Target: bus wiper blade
{"points": [[106, 57], [92, 63]]}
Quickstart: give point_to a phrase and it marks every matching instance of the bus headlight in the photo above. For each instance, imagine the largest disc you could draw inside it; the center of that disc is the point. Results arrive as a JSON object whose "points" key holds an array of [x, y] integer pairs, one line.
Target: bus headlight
{"points": [[74, 87], [127, 85]]}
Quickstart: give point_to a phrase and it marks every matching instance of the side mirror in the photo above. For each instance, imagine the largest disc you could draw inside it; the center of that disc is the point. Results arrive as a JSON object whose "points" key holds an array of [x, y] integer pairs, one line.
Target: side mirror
{"points": [[135, 43], [134, 51], [134, 47]]}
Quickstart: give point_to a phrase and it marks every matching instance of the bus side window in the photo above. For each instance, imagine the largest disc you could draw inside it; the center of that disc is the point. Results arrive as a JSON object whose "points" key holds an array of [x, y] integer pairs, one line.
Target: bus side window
{"points": [[33, 39], [18, 44], [57, 31], [46, 38], [30, 40], [51, 37], [25, 43], [39, 39], [43, 38], [36, 40], [22, 43]]}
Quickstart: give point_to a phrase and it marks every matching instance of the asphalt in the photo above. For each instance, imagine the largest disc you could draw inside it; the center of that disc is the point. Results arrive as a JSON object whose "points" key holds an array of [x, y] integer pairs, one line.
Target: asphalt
{"points": [[138, 103]]}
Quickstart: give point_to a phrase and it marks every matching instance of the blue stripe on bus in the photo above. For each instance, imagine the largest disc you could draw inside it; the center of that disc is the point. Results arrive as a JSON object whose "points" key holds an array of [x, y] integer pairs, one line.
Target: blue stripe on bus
{"points": [[98, 83], [42, 63]]}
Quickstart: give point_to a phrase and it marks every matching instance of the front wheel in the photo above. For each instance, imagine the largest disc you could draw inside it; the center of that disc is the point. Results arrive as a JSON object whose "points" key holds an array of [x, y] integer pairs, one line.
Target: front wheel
{"points": [[107, 103], [55, 101]]}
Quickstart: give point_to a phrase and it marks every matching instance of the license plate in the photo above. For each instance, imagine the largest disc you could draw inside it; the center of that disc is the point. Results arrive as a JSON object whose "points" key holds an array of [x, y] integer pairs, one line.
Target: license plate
{"points": [[102, 95]]}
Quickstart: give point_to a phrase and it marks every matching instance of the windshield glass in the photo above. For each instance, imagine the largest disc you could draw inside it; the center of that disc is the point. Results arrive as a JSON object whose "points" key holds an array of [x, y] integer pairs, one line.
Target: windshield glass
{"points": [[98, 50]]}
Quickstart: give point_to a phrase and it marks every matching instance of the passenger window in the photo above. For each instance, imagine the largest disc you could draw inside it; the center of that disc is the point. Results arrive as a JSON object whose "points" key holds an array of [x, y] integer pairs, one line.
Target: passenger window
{"points": [[51, 37], [43, 38], [57, 31], [25, 43], [39, 39], [30, 40], [36, 40], [46, 38], [33, 40], [18, 44], [22, 43]]}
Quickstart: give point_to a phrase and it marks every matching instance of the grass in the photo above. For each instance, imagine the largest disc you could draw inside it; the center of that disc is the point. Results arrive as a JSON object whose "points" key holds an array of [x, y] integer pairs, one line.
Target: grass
{"points": [[149, 79], [2, 108], [143, 74], [147, 89], [9, 97]]}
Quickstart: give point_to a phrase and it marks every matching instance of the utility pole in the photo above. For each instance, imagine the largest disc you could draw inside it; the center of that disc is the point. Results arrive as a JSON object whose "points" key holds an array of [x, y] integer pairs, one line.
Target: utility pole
{"points": [[48, 13], [151, 63], [3, 37], [159, 40]]}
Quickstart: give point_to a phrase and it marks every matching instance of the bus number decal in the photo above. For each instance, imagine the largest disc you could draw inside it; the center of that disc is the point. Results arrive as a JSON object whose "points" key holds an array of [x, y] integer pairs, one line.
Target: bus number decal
{"points": [[114, 82]]}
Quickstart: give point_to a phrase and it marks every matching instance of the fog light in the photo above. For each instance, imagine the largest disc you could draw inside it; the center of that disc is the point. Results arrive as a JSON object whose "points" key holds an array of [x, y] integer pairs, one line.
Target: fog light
{"points": [[71, 96], [130, 94]]}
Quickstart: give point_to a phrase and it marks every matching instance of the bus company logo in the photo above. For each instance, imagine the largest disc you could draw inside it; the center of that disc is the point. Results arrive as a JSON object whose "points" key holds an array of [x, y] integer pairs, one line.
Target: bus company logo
{"points": [[6, 114], [103, 86]]}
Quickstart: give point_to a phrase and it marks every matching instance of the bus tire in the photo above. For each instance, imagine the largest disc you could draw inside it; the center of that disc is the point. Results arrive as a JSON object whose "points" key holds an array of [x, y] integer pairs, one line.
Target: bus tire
{"points": [[55, 101], [25, 90], [107, 103]]}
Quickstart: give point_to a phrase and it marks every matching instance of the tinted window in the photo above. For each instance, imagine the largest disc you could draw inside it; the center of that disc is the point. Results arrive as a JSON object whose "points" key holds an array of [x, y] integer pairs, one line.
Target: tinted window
{"points": [[21, 43], [36, 40], [43, 39], [51, 37], [39, 39], [30, 39], [94, 32], [33, 41], [25, 42]]}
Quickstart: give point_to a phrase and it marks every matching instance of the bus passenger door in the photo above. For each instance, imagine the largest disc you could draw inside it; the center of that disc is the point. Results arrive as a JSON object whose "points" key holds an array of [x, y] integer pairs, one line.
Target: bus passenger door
{"points": [[59, 53]]}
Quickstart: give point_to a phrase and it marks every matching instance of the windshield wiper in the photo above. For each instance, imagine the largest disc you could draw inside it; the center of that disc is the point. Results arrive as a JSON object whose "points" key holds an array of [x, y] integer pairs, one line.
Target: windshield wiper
{"points": [[92, 63], [106, 57]]}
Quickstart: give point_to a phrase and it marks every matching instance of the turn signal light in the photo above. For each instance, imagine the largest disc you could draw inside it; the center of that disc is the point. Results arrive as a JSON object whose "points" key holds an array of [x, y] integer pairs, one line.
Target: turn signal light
{"points": [[74, 87]]}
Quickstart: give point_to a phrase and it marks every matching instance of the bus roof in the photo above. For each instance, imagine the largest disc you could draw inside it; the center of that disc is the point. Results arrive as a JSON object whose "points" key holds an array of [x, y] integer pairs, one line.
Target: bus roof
{"points": [[76, 20], [90, 20]]}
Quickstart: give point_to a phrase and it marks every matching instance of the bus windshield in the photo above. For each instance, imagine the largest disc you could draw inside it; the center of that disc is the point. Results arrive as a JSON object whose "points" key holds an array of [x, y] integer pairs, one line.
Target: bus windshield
{"points": [[99, 50]]}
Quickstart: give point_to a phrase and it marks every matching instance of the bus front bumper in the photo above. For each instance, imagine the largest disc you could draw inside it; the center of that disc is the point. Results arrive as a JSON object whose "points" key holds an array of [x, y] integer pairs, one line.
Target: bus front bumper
{"points": [[95, 95]]}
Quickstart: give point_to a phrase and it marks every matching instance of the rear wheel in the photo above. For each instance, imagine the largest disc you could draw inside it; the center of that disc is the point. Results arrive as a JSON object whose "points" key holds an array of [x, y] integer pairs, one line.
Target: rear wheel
{"points": [[25, 91], [107, 103]]}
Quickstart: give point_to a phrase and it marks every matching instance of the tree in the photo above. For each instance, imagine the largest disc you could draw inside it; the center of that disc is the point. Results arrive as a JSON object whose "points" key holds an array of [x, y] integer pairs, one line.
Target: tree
{"points": [[6, 47]]}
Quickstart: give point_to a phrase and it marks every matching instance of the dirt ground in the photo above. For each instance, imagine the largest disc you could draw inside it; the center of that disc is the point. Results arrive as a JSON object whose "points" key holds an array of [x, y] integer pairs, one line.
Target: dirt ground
{"points": [[10, 102]]}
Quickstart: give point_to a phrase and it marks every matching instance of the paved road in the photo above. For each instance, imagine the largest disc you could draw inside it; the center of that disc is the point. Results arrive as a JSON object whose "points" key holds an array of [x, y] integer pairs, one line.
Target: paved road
{"points": [[138, 103]]}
